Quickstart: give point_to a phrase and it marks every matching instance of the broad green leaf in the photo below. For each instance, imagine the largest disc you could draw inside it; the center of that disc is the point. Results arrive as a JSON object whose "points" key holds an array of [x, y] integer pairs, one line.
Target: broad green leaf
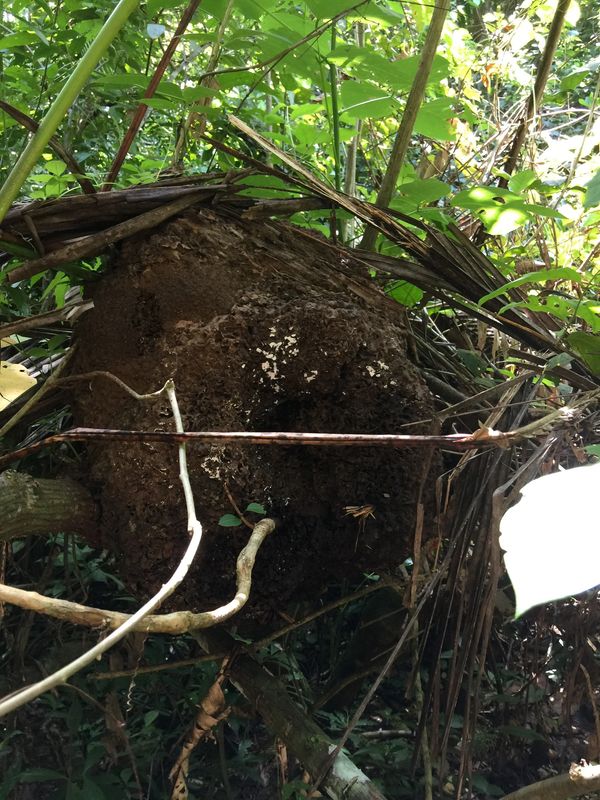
{"points": [[326, 9], [500, 210], [506, 218], [55, 167], [425, 191], [551, 537], [405, 293], [18, 40], [39, 774], [382, 14], [522, 180], [586, 345], [592, 192], [192, 93], [572, 80], [154, 6], [434, 120], [363, 63], [306, 110], [564, 308], [252, 9], [364, 100], [478, 197], [160, 103], [91, 790]]}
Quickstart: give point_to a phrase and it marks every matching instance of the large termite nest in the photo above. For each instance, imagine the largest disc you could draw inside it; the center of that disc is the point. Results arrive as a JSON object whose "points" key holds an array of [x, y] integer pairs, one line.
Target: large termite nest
{"points": [[262, 327]]}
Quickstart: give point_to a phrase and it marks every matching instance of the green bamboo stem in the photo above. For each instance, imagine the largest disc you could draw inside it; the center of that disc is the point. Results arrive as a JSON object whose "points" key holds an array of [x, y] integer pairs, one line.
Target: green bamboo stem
{"points": [[57, 111]]}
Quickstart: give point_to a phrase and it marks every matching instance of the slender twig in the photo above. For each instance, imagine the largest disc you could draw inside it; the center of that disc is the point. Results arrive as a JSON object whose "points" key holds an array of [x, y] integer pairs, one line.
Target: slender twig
{"points": [[142, 108], [54, 144], [175, 623], [484, 437], [278, 634], [22, 696]]}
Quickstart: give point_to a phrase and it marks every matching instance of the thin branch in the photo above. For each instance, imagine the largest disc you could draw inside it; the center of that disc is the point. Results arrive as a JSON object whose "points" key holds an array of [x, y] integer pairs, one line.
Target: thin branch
{"points": [[142, 108], [22, 696], [542, 75], [256, 646], [484, 437], [579, 780], [68, 313], [175, 623], [54, 144], [98, 242]]}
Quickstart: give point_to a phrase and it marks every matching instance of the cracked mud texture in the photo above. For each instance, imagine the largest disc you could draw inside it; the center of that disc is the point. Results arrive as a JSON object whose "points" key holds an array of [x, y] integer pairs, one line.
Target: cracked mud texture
{"points": [[262, 327]]}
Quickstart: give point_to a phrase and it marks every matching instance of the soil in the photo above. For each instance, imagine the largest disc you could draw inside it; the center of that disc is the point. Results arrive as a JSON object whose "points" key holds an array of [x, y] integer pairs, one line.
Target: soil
{"points": [[263, 327]]}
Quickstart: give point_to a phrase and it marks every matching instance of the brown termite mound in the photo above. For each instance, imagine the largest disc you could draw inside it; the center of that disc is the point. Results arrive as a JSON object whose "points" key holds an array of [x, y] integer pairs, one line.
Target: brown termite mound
{"points": [[263, 327]]}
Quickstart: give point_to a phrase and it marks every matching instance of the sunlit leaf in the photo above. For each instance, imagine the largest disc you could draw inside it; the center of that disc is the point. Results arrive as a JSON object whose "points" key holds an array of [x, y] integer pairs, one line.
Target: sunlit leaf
{"points": [[551, 537], [522, 180], [155, 31], [14, 381], [425, 191], [325, 9], [592, 192], [363, 100], [434, 120]]}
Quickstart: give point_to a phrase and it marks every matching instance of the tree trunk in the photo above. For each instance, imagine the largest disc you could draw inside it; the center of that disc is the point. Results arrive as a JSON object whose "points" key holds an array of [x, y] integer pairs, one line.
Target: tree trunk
{"points": [[31, 505], [286, 721]]}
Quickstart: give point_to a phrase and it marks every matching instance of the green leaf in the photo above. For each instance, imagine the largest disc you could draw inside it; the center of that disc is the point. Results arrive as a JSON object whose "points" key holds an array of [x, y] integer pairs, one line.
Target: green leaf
{"points": [[433, 120], [56, 167], [18, 40], [551, 537], [425, 191], [539, 276], [405, 293], [500, 210], [257, 508], [91, 790], [382, 14], [326, 9], [587, 346], [592, 192], [365, 101], [522, 180], [229, 521]]}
